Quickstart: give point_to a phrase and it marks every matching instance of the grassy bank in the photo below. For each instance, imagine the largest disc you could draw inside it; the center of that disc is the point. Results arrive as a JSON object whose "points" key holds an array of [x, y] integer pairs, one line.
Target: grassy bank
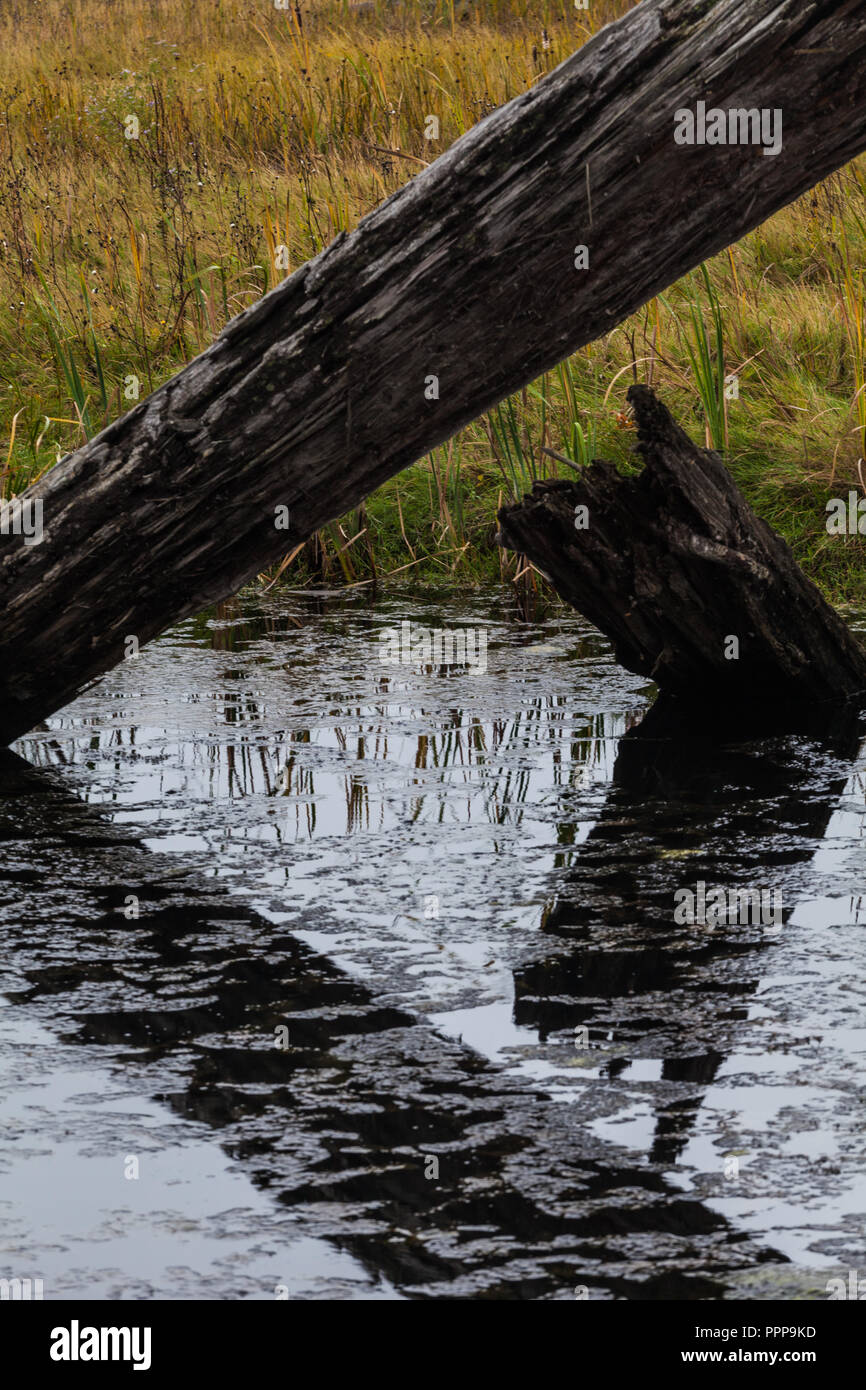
{"points": [[164, 163]]}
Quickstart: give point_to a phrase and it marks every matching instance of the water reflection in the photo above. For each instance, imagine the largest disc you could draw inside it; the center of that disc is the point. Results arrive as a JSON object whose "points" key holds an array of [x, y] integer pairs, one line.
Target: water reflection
{"points": [[509, 761], [668, 1010], [301, 809], [339, 1127]]}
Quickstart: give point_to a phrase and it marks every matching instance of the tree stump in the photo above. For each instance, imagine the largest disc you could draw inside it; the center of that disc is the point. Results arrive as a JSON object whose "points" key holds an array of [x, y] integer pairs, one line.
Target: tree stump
{"points": [[695, 591]]}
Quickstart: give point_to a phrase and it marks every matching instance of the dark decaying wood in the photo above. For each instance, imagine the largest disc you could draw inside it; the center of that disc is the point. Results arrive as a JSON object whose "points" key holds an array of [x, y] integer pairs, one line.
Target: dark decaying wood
{"points": [[319, 392], [694, 590]]}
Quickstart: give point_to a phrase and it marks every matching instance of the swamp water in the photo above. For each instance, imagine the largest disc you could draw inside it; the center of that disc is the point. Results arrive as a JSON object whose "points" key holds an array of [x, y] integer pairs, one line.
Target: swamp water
{"points": [[506, 1070]]}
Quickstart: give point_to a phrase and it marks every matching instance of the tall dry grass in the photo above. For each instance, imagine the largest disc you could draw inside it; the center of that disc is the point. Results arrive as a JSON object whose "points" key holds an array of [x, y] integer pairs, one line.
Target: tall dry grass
{"points": [[262, 132]]}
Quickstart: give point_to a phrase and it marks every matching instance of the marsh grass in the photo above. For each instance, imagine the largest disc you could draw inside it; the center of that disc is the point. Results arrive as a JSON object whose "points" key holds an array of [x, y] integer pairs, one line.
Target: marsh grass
{"points": [[706, 352], [262, 134]]}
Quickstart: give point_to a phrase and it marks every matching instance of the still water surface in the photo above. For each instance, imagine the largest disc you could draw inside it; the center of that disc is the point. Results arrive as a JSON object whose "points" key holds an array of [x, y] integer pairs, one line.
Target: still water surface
{"points": [[455, 892]]}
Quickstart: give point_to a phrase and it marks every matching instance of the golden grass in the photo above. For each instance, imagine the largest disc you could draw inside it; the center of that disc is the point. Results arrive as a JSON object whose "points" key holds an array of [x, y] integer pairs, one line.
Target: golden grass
{"points": [[262, 132]]}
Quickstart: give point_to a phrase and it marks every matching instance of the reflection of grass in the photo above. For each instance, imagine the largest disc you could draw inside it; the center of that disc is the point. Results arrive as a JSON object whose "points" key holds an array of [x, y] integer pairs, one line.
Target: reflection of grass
{"points": [[265, 132]]}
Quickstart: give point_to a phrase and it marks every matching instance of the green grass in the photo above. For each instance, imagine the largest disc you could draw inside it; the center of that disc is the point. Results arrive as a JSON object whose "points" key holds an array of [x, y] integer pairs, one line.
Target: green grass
{"points": [[262, 134]]}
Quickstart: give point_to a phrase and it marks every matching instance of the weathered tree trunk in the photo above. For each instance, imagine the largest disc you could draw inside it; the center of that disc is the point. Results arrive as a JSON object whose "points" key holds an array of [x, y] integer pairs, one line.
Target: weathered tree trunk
{"points": [[693, 589], [318, 393]]}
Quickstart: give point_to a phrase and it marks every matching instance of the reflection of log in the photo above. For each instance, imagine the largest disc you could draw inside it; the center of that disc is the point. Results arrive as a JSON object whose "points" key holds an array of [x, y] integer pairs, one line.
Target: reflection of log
{"points": [[528, 1202], [694, 590], [686, 803], [321, 391]]}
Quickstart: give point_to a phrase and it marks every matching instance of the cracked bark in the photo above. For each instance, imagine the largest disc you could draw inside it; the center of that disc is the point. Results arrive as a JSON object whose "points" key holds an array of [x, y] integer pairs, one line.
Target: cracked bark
{"points": [[674, 563]]}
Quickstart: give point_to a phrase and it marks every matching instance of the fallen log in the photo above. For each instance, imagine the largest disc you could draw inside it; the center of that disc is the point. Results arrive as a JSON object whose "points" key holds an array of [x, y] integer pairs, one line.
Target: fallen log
{"points": [[547, 224], [694, 590]]}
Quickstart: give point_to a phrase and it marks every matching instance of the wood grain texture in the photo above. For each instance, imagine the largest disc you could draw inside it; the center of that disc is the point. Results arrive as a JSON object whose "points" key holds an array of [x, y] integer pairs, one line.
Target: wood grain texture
{"points": [[315, 395]]}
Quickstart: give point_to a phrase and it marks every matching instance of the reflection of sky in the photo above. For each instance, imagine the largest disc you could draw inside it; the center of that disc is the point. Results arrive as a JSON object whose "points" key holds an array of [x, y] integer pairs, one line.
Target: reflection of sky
{"points": [[844, 843], [340, 812], [788, 1108], [191, 1225], [340, 793]]}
